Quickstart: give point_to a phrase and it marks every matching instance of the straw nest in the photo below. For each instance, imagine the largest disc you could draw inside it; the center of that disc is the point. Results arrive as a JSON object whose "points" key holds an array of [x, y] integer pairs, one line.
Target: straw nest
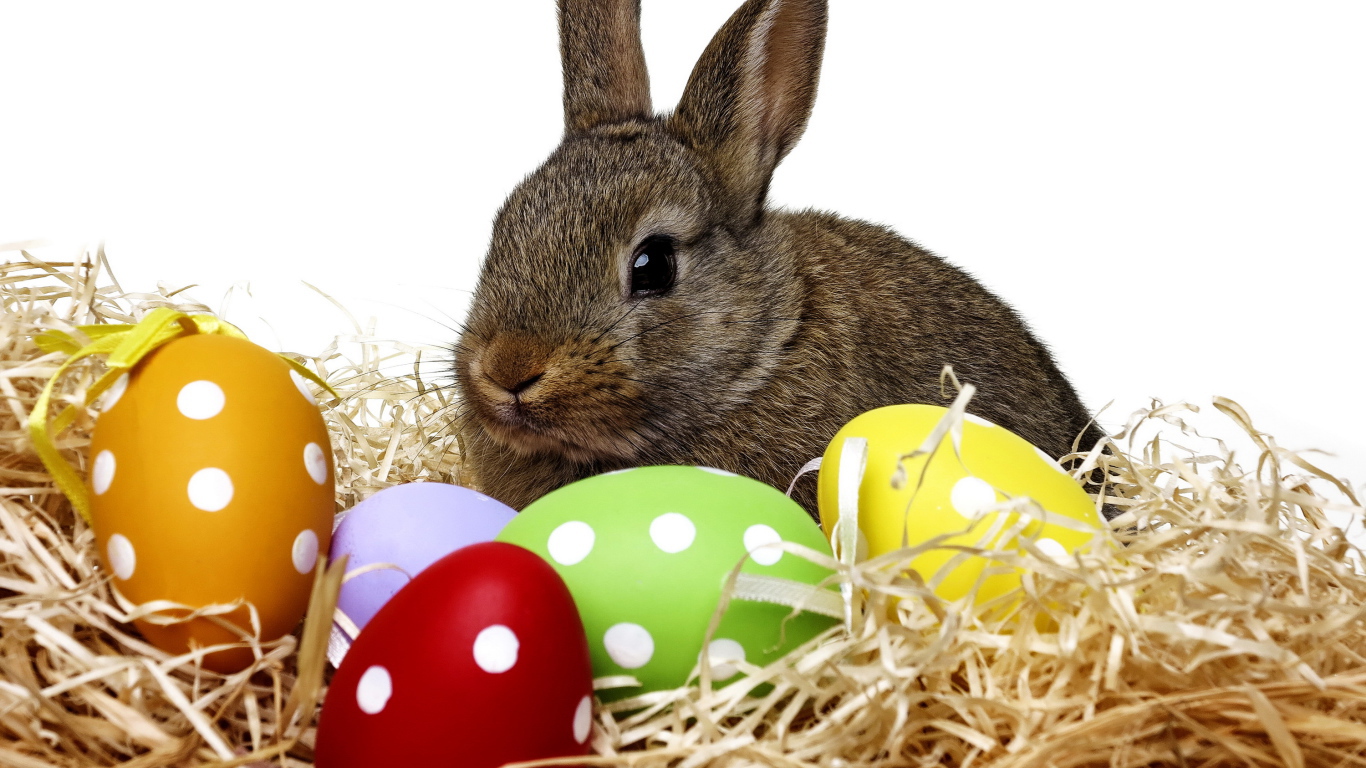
{"points": [[1229, 630]]}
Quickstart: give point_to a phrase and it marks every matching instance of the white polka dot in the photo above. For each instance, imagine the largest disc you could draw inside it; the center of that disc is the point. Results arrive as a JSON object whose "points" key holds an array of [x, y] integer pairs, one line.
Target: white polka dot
{"points": [[571, 542], [619, 471], [757, 536], [1050, 461], [102, 474], [978, 420], [583, 719], [971, 495], [305, 552], [115, 391], [302, 384], [673, 532], [210, 489], [373, 690], [1054, 549], [720, 472], [629, 645], [723, 653], [200, 400], [495, 649], [315, 461], [122, 558]]}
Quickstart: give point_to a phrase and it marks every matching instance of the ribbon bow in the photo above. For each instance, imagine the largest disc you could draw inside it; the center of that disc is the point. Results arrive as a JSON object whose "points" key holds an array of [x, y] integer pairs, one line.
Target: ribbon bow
{"points": [[124, 347]]}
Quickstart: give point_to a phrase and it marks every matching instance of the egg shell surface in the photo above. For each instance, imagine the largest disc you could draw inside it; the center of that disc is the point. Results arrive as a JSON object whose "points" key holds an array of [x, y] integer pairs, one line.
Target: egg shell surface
{"points": [[996, 464], [211, 480], [645, 553], [411, 526], [479, 661]]}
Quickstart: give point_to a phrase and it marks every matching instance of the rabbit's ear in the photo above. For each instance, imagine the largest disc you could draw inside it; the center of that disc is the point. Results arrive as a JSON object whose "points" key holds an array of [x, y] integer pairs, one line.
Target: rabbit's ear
{"points": [[605, 80], [749, 97]]}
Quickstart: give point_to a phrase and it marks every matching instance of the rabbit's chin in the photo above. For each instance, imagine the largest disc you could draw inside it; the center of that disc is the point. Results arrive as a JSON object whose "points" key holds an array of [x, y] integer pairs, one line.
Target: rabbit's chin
{"points": [[580, 446]]}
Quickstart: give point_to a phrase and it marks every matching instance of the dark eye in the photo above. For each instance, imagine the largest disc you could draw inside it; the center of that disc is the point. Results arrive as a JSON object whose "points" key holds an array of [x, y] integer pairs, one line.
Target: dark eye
{"points": [[652, 267]]}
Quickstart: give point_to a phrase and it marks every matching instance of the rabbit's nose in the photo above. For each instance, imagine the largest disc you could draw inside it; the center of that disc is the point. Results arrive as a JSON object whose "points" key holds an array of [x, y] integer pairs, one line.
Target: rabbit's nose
{"points": [[515, 362]]}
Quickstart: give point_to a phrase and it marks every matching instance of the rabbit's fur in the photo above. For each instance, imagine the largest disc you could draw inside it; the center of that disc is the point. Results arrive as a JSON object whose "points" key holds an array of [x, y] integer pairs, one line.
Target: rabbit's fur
{"points": [[780, 326]]}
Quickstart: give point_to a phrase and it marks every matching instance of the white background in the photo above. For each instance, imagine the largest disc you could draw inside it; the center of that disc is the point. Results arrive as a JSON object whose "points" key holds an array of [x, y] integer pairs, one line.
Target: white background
{"points": [[1171, 192]]}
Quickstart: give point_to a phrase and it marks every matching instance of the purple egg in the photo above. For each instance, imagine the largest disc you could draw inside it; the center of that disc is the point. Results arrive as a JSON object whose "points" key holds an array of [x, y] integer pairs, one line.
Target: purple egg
{"points": [[412, 526]]}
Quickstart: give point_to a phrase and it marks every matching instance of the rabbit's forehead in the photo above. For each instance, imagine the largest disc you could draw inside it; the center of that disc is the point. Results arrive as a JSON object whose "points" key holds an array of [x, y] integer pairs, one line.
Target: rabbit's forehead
{"points": [[600, 191]]}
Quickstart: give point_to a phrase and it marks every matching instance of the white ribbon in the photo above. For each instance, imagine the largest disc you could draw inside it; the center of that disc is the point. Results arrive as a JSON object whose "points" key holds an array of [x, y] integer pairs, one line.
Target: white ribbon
{"points": [[337, 646], [853, 464], [793, 594], [344, 633], [807, 468]]}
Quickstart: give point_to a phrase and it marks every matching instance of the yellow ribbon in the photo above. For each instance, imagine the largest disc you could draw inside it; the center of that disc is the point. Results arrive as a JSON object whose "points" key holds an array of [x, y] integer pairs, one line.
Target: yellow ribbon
{"points": [[124, 347]]}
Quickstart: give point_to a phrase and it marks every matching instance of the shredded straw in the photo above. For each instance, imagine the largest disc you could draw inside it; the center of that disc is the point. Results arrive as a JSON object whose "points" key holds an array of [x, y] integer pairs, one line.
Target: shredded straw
{"points": [[1226, 628]]}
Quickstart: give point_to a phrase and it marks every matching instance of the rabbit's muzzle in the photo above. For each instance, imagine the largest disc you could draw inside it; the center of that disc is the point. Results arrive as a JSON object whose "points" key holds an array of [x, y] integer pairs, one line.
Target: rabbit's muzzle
{"points": [[512, 364], [573, 399]]}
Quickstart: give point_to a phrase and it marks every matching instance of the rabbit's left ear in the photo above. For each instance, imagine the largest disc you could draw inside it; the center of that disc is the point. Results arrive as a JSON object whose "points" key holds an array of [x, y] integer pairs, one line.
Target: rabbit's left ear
{"points": [[605, 80], [750, 95]]}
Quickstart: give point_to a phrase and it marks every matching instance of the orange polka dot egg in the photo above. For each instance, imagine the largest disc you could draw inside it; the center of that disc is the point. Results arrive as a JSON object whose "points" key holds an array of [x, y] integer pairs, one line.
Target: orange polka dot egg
{"points": [[962, 497], [211, 481]]}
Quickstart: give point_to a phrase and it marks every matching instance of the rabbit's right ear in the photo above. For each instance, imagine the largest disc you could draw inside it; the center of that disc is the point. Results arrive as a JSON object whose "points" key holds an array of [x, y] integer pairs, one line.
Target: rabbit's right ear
{"points": [[749, 97], [605, 80]]}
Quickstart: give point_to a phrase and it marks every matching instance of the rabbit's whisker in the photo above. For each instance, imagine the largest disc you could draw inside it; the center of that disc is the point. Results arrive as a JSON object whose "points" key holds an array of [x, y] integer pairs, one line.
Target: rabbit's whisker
{"points": [[617, 322], [665, 323]]}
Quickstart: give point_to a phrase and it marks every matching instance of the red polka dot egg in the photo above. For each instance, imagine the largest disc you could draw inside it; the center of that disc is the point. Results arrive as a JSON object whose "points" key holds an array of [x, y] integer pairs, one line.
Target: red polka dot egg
{"points": [[479, 661], [211, 482]]}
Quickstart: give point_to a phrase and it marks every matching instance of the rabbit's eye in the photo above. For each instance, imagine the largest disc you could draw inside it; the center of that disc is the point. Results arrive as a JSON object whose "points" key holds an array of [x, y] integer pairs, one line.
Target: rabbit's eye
{"points": [[652, 268]]}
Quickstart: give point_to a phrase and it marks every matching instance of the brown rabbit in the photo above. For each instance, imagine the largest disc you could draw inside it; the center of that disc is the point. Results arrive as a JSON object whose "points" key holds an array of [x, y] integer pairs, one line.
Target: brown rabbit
{"points": [[640, 305]]}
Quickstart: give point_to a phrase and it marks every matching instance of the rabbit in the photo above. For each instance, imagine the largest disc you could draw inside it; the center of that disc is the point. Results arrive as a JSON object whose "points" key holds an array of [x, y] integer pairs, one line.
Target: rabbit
{"points": [[639, 304]]}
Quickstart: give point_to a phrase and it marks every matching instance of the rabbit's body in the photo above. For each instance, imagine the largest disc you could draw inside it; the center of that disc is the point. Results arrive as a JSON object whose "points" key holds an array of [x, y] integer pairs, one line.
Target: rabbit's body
{"points": [[639, 305]]}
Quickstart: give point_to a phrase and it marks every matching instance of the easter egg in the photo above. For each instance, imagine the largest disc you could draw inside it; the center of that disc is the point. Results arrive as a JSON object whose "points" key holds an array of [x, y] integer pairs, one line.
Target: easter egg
{"points": [[211, 481], [645, 553], [996, 465], [410, 526], [479, 661]]}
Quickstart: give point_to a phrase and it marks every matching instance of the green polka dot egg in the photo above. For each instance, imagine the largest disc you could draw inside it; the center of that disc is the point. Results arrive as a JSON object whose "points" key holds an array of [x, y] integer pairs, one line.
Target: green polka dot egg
{"points": [[645, 553], [996, 465]]}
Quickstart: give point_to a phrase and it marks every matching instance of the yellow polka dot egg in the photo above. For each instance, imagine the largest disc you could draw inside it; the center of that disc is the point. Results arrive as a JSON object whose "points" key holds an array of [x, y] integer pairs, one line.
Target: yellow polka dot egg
{"points": [[210, 482], [955, 496]]}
